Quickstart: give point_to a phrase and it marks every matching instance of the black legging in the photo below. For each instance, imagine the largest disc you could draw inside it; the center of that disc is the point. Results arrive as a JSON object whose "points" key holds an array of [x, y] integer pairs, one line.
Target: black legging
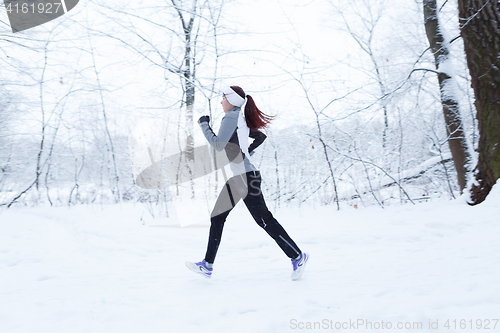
{"points": [[235, 189]]}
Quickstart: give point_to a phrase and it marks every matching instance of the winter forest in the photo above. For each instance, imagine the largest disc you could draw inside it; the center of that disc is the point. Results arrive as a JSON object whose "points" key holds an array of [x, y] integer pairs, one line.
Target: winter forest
{"points": [[377, 105], [354, 87]]}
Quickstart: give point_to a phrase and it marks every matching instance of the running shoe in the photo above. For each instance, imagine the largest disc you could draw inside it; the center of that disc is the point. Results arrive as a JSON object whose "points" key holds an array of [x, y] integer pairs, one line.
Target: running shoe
{"points": [[200, 268], [299, 266]]}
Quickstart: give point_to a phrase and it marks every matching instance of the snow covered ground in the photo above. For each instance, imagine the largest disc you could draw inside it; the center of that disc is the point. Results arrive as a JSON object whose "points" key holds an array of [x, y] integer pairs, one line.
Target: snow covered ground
{"points": [[101, 269]]}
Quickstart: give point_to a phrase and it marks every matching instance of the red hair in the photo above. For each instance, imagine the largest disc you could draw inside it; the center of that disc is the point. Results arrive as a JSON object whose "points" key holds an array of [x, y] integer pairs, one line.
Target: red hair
{"points": [[255, 118]]}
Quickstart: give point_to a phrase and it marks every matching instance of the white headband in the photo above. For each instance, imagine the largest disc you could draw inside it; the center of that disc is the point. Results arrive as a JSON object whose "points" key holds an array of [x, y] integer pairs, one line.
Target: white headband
{"points": [[233, 98]]}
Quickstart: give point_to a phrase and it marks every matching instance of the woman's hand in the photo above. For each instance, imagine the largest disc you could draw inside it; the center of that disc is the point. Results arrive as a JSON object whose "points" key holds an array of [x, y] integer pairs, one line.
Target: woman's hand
{"points": [[203, 119]]}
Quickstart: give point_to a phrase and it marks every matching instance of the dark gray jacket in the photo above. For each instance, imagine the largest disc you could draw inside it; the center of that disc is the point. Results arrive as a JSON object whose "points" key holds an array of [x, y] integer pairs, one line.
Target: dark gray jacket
{"points": [[228, 134]]}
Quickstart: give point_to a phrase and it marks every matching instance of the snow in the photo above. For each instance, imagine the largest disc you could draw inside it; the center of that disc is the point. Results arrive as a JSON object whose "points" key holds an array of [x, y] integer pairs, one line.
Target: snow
{"points": [[106, 269]]}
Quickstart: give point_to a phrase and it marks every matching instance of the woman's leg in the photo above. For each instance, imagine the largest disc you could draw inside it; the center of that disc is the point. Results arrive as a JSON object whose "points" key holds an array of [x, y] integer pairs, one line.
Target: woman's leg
{"points": [[229, 196], [261, 214]]}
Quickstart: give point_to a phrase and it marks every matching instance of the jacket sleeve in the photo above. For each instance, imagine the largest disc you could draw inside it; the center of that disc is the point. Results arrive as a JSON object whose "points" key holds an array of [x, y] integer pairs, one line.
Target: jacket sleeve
{"points": [[258, 137], [226, 130]]}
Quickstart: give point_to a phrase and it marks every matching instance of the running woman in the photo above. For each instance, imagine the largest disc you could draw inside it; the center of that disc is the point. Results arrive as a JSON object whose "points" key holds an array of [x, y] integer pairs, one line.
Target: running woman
{"points": [[235, 128]]}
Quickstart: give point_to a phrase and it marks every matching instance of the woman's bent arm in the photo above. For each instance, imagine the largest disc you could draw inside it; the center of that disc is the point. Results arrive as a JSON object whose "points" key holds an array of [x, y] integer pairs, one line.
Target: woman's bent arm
{"points": [[258, 137], [226, 130]]}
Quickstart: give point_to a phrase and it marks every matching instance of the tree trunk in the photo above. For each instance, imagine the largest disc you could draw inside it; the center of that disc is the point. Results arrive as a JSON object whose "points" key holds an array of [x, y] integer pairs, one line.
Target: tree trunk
{"points": [[188, 72], [114, 178], [480, 29], [189, 88], [451, 110]]}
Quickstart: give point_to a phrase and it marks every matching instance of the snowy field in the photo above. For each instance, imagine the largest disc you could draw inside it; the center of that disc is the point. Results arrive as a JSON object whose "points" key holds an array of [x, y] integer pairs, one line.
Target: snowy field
{"points": [[101, 269]]}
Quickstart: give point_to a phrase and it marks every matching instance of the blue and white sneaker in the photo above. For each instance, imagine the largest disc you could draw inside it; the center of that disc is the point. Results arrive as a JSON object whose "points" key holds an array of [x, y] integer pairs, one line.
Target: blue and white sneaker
{"points": [[299, 265], [200, 268]]}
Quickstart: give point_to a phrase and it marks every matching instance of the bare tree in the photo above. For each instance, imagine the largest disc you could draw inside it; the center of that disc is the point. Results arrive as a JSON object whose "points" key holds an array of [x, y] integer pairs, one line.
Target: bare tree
{"points": [[188, 67], [480, 22], [451, 110], [198, 20], [42, 156], [366, 39], [188, 43], [321, 135], [114, 177]]}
